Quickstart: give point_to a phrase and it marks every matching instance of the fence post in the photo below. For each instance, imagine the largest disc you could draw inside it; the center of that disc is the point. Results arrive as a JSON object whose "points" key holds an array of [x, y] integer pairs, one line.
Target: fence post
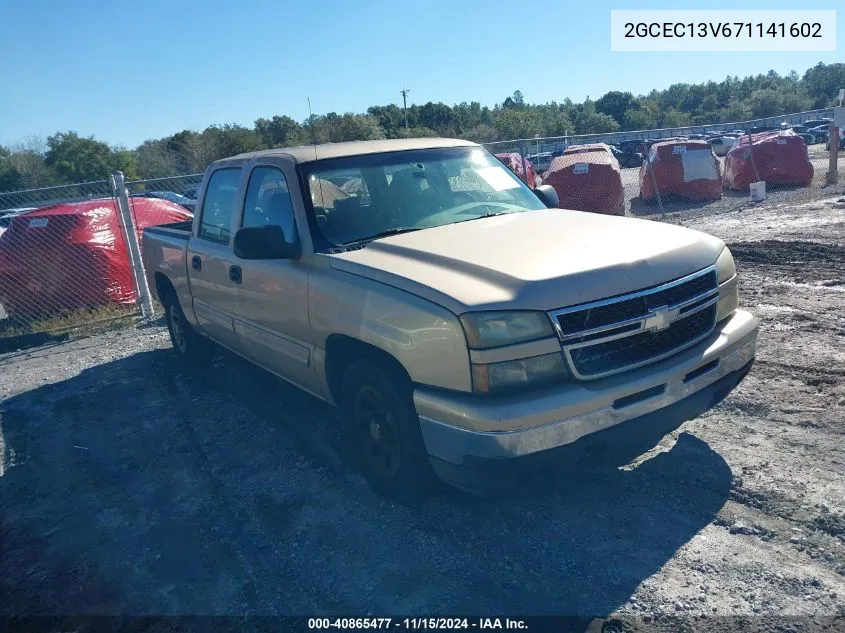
{"points": [[129, 233], [832, 175]]}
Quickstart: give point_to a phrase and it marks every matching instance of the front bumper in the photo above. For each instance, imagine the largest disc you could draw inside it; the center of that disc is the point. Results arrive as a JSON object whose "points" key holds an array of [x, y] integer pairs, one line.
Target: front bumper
{"points": [[461, 430]]}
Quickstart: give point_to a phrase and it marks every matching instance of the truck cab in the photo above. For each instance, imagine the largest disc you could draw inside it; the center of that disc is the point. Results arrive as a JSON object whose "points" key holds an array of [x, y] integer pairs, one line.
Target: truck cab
{"points": [[463, 324]]}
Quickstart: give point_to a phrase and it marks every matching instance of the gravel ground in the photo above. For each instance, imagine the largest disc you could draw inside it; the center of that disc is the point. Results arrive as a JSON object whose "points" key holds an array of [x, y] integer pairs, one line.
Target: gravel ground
{"points": [[129, 485]]}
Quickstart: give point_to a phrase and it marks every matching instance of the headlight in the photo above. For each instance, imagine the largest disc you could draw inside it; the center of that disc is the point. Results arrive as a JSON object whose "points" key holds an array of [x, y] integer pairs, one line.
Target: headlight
{"points": [[728, 286], [515, 373], [725, 266], [494, 329]]}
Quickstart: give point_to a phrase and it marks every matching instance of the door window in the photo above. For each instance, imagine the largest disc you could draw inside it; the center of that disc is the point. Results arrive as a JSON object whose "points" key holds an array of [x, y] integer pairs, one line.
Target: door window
{"points": [[219, 204], [268, 202]]}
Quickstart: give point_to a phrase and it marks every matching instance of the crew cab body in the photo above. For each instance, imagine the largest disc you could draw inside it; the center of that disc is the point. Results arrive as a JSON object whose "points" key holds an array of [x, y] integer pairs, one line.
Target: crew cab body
{"points": [[506, 332]]}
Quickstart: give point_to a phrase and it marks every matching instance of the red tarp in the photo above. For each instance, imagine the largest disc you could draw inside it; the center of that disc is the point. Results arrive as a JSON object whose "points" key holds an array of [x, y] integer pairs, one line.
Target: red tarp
{"points": [[780, 157], [681, 169], [72, 256], [513, 161], [586, 148], [588, 181]]}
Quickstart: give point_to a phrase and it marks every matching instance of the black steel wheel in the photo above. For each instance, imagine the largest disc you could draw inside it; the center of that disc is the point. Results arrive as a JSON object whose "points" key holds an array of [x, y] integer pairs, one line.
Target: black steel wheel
{"points": [[386, 431], [191, 346]]}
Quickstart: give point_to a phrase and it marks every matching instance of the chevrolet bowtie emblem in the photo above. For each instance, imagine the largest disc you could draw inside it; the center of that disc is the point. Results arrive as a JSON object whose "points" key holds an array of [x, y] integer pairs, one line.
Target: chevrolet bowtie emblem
{"points": [[659, 319]]}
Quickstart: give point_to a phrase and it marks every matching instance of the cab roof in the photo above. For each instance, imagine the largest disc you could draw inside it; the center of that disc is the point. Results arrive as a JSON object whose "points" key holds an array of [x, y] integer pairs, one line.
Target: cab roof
{"points": [[310, 153]]}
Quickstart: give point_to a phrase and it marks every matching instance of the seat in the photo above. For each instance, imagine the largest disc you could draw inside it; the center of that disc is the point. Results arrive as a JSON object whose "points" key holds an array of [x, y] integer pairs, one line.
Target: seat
{"points": [[278, 210], [407, 195]]}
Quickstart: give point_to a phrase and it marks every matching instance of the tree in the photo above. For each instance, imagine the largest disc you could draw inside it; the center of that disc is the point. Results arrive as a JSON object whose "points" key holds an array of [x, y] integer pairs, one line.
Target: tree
{"points": [[391, 119], [616, 104], [156, 160], [10, 177], [511, 123], [438, 117], [588, 121], [419, 132], [482, 133], [67, 157], [78, 159], [674, 118], [644, 115], [823, 83], [280, 131]]}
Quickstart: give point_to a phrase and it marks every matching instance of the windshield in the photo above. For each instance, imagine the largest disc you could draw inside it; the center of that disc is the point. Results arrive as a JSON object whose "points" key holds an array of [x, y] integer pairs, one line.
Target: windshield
{"points": [[358, 198]]}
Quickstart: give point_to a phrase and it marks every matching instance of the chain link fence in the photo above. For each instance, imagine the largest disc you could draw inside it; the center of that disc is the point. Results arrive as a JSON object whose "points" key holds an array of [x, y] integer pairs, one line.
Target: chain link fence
{"points": [[70, 255], [645, 175]]}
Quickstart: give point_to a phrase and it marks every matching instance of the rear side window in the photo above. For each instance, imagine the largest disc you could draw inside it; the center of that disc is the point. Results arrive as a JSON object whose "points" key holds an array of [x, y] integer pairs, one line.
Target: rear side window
{"points": [[268, 202], [219, 205]]}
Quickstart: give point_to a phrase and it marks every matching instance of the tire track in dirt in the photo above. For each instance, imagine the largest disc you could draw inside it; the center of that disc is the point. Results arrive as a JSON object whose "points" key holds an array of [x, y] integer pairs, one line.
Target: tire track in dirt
{"points": [[801, 261]]}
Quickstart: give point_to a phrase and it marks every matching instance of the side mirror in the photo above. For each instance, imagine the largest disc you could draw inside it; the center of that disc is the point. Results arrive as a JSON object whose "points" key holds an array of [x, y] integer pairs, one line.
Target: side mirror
{"points": [[264, 242], [548, 196]]}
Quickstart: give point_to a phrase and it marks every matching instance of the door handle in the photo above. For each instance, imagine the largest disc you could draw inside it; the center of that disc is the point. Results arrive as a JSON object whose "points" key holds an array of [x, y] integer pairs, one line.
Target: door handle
{"points": [[235, 274], [196, 262]]}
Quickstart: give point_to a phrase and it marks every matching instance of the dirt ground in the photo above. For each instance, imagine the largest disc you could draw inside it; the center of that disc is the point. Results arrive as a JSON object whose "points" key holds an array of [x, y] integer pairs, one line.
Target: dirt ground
{"points": [[128, 485]]}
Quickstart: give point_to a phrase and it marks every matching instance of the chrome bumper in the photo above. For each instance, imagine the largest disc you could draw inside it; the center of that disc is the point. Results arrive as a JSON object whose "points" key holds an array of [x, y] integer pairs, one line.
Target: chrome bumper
{"points": [[453, 426]]}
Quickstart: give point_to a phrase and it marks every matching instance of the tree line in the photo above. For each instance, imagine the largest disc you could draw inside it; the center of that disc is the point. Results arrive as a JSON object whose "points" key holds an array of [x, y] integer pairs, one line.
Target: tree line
{"points": [[67, 157]]}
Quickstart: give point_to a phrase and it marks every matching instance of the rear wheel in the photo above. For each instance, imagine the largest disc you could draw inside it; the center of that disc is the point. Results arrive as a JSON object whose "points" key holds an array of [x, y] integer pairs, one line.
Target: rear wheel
{"points": [[386, 432], [191, 346]]}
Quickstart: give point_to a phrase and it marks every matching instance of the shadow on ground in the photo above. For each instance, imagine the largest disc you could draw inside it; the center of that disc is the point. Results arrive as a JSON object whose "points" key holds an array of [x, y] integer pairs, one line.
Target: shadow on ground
{"points": [[135, 487]]}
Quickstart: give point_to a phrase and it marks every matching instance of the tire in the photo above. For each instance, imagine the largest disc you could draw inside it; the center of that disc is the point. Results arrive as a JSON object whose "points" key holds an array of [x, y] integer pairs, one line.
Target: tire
{"points": [[193, 348], [385, 432]]}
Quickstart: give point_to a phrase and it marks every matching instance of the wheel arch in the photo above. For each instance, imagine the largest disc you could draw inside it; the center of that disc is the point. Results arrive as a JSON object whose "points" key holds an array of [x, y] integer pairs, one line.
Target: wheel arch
{"points": [[342, 350]]}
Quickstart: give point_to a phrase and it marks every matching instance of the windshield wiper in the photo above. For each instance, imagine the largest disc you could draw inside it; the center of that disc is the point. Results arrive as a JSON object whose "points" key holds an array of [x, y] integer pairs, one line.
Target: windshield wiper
{"points": [[489, 214], [394, 231]]}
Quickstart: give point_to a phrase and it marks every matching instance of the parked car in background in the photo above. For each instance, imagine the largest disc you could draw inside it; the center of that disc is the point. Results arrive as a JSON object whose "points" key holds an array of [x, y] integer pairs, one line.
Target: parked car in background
{"points": [[588, 177], [816, 123], [841, 140], [627, 159], [72, 256], [170, 196], [809, 139], [637, 146], [820, 132], [7, 215], [465, 326], [757, 129], [777, 157], [540, 161], [722, 144], [522, 167]]}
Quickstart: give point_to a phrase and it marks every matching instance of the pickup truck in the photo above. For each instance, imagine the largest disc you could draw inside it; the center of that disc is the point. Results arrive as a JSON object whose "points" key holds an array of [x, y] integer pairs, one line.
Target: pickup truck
{"points": [[462, 323]]}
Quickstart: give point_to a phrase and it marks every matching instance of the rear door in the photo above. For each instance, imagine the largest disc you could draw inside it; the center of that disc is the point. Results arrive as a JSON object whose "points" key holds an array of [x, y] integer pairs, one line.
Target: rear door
{"points": [[210, 258], [273, 294]]}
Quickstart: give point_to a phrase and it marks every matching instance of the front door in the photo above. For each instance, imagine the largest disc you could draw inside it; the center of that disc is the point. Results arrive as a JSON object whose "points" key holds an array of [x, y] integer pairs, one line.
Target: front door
{"points": [[210, 259], [273, 294]]}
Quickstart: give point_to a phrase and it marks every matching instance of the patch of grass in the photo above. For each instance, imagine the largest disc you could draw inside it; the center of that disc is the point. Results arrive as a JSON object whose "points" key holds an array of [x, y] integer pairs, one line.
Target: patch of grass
{"points": [[62, 327]]}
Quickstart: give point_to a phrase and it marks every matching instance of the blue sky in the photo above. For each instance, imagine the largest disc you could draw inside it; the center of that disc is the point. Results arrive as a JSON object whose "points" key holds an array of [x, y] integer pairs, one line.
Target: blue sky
{"points": [[130, 71]]}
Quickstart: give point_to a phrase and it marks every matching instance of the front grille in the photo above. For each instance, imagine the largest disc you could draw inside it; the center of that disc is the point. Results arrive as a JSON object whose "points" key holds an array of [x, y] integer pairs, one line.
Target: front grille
{"points": [[626, 309], [628, 351], [607, 337]]}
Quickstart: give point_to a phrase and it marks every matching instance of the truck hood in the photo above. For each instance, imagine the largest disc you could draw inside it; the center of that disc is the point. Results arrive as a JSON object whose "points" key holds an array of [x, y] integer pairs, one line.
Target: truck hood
{"points": [[536, 260]]}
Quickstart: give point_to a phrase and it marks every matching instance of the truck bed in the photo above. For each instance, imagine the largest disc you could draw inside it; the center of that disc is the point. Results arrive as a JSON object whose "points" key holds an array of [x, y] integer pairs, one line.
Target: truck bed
{"points": [[174, 229], [164, 250]]}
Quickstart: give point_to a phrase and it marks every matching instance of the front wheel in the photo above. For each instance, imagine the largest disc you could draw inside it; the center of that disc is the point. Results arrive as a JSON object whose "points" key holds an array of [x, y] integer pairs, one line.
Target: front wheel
{"points": [[386, 432], [191, 346]]}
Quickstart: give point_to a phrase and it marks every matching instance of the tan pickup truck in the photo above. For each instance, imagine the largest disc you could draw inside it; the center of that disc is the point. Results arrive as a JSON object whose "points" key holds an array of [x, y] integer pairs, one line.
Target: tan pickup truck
{"points": [[463, 323]]}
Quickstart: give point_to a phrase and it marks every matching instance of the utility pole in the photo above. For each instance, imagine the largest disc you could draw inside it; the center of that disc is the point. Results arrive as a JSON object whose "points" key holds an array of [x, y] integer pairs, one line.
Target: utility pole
{"points": [[405, 92]]}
